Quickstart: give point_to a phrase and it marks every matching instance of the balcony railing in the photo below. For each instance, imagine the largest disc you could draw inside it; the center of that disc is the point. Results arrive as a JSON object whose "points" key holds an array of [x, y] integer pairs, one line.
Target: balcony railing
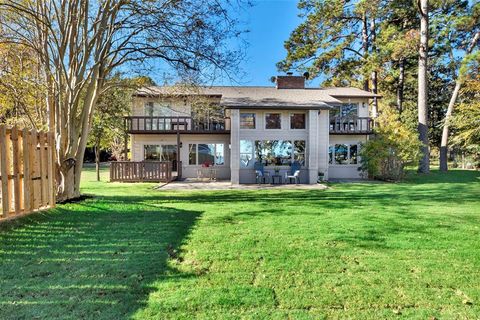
{"points": [[175, 124], [351, 125]]}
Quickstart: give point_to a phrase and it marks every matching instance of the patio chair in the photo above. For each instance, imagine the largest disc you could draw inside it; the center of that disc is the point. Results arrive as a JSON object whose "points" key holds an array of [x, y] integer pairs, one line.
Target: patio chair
{"points": [[294, 173], [260, 176]]}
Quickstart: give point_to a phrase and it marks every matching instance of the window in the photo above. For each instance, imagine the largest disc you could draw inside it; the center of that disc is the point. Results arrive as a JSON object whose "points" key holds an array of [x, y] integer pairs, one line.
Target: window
{"points": [[273, 121], [297, 121], [247, 120], [343, 154], [299, 151], [274, 152], [346, 110], [192, 154], [155, 152], [211, 154], [246, 153], [149, 109]]}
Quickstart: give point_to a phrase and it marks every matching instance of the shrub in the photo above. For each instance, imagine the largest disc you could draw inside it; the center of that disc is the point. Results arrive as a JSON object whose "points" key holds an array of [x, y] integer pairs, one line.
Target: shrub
{"points": [[392, 147]]}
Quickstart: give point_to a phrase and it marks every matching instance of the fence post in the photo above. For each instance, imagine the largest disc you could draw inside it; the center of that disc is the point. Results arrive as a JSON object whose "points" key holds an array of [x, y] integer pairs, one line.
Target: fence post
{"points": [[4, 163]]}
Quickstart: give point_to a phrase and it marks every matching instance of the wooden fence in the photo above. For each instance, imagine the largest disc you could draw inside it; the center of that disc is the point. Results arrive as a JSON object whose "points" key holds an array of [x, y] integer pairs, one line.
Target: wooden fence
{"points": [[26, 171], [144, 171]]}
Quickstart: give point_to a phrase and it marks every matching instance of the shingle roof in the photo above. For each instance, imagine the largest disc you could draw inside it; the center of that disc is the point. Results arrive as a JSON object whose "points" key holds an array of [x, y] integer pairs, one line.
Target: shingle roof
{"points": [[263, 97]]}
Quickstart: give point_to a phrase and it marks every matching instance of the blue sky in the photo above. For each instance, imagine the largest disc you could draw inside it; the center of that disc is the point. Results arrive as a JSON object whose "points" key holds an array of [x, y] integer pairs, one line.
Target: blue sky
{"points": [[270, 23]]}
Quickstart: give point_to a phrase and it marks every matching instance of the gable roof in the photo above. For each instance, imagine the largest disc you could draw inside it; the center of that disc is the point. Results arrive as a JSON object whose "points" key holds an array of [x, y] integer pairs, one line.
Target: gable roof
{"points": [[244, 97]]}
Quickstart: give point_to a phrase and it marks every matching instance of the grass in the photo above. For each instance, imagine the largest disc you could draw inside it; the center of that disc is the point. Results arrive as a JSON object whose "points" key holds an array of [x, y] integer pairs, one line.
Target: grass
{"points": [[367, 251]]}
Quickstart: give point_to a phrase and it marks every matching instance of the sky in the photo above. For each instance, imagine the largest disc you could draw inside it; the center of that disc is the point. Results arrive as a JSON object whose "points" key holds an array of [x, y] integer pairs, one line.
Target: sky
{"points": [[270, 23]]}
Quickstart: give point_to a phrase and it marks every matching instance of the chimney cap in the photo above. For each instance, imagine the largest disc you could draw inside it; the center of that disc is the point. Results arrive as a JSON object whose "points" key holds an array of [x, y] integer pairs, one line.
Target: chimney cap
{"points": [[289, 73]]}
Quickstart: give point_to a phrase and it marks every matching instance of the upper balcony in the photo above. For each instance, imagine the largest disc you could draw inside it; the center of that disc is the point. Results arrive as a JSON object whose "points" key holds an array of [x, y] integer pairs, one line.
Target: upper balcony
{"points": [[157, 125], [351, 125]]}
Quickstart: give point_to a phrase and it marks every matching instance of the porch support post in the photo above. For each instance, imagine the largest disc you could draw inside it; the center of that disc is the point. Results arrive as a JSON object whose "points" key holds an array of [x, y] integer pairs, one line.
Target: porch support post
{"points": [[126, 140], [235, 146], [312, 146], [179, 165]]}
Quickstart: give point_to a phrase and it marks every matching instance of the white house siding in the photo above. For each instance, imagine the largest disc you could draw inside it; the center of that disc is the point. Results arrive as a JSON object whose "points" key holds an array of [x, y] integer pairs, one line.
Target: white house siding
{"points": [[188, 171], [345, 171]]}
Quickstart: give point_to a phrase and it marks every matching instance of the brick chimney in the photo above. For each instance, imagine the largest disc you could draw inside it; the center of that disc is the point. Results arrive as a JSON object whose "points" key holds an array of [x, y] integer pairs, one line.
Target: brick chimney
{"points": [[290, 81]]}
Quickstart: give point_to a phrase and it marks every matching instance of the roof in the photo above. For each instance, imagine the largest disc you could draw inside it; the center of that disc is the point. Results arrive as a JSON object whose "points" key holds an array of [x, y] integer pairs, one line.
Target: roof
{"points": [[244, 97]]}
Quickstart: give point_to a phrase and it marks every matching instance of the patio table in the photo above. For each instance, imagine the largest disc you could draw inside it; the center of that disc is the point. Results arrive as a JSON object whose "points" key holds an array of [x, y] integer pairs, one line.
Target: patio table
{"points": [[276, 176]]}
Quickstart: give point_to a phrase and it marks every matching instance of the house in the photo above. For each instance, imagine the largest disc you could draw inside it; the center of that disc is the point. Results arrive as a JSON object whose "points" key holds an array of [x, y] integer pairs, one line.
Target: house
{"points": [[231, 128]]}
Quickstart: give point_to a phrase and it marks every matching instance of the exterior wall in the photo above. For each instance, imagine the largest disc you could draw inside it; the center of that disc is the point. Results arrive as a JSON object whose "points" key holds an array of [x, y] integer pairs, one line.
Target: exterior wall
{"points": [[247, 175], [345, 171], [188, 171]]}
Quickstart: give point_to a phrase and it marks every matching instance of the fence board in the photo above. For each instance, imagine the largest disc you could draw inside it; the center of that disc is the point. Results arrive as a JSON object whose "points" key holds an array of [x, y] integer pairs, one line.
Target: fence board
{"points": [[16, 170], [27, 161], [4, 171]]}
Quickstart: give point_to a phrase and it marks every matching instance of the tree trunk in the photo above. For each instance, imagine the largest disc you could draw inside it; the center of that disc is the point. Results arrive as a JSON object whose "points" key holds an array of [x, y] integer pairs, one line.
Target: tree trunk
{"points": [[424, 164], [97, 162], [451, 104], [401, 84], [445, 131], [365, 46], [374, 76]]}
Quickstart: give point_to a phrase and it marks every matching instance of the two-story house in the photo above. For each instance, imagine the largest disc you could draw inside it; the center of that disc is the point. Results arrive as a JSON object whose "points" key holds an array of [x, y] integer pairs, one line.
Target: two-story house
{"points": [[232, 128]]}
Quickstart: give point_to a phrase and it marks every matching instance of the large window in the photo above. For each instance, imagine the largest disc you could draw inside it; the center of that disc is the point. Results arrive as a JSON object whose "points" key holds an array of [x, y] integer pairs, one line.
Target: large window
{"points": [[247, 120], [206, 154], [273, 121], [279, 152], [343, 154], [347, 110], [299, 151], [297, 121], [246, 153], [165, 152]]}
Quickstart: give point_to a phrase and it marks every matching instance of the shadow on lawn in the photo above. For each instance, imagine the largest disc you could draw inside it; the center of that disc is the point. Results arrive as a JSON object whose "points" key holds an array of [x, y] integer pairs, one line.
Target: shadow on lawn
{"points": [[88, 260]]}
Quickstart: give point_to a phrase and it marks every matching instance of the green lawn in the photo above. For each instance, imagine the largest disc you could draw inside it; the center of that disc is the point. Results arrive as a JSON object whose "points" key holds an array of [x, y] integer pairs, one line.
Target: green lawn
{"points": [[367, 251]]}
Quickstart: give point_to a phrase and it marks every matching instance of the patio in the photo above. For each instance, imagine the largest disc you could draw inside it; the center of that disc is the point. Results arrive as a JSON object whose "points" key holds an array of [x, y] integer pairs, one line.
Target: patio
{"points": [[195, 184]]}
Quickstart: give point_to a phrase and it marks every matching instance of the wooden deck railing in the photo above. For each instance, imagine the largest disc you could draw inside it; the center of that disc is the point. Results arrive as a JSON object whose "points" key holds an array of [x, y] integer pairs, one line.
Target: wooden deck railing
{"points": [[144, 171], [142, 124], [351, 125]]}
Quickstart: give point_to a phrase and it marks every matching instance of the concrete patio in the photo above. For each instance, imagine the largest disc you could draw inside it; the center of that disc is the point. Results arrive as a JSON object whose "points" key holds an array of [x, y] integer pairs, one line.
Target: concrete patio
{"points": [[195, 184]]}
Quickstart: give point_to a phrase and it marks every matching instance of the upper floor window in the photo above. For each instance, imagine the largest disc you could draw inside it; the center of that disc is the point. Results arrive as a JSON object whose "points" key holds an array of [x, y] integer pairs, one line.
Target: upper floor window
{"points": [[247, 120], [158, 110], [297, 121], [149, 109], [273, 121], [347, 110]]}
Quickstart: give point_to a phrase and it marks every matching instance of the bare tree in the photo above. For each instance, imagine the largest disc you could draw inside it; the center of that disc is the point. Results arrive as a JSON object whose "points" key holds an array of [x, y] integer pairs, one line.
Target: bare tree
{"points": [[424, 164], [81, 42]]}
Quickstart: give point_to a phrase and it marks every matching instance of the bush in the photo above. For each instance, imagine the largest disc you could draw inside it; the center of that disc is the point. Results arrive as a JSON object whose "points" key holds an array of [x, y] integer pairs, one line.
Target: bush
{"points": [[393, 147]]}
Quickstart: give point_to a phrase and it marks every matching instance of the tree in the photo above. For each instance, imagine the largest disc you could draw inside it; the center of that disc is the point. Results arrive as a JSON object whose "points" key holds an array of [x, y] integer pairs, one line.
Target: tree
{"points": [[81, 43], [337, 38], [393, 147], [424, 164], [466, 121], [471, 26], [21, 88], [107, 130]]}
